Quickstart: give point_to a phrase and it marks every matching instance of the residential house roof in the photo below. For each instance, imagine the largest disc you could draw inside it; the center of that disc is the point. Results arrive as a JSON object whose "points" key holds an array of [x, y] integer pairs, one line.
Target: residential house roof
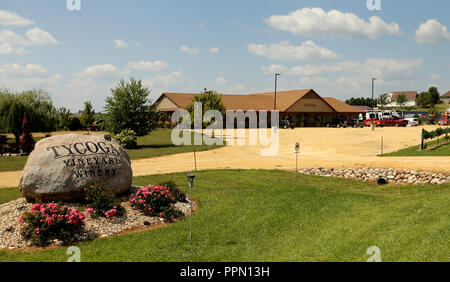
{"points": [[410, 95]]}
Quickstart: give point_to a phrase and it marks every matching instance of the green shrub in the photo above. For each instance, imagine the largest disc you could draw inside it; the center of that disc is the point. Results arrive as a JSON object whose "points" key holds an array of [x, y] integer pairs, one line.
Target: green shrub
{"points": [[75, 124], [101, 201], [3, 139], [127, 138], [167, 124], [44, 223], [173, 187], [160, 124]]}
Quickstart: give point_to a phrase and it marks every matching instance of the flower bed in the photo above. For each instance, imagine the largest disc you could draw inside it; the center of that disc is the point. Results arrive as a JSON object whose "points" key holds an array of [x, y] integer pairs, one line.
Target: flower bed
{"points": [[44, 223], [154, 201], [93, 226]]}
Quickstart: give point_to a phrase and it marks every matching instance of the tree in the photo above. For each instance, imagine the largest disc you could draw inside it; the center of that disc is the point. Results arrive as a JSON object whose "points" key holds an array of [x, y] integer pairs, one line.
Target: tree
{"points": [[211, 100], [64, 118], [424, 99], [88, 115], [401, 100], [37, 104], [383, 100], [130, 108], [435, 97], [369, 102]]}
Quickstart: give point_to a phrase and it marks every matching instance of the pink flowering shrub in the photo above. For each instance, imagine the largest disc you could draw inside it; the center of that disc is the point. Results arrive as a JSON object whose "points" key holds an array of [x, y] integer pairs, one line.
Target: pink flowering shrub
{"points": [[154, 201], [46, 222], [101, 201]]}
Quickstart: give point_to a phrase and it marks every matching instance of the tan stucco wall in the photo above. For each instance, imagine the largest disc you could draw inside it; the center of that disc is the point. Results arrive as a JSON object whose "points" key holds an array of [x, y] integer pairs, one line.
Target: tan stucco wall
{"points": [[166, 104], [310, 103]]}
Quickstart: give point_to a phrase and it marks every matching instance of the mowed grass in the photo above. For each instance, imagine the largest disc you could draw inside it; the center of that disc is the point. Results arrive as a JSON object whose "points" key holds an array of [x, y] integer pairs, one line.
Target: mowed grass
{"points": [[414, 151], [157, 143], [259, 215]]}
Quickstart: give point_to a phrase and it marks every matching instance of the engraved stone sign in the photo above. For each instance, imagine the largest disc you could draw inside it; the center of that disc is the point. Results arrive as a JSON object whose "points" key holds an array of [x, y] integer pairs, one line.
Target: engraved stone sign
{"points": [[59, 166]]}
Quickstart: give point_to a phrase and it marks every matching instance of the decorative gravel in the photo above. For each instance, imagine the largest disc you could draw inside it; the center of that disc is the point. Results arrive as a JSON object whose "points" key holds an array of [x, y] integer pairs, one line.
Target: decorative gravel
{"points": [[372, 175], [101, 227]]}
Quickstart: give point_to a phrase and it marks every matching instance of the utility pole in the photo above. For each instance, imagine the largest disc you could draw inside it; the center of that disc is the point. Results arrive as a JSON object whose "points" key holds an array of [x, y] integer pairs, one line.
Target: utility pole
{"points": [[275, 98], [372, 126]]}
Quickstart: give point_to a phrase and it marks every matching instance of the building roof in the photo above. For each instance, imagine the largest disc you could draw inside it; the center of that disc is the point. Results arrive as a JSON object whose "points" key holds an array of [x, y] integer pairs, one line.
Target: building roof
{"points": [[410, 95], [446, 95], [364, 108], [258, 101], [340, 106]]}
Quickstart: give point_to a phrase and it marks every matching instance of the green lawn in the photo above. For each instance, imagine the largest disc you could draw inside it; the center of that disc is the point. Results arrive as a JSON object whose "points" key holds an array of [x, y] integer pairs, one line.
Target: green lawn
{"points": [[158, 143], [261, 215], [442, 150]]}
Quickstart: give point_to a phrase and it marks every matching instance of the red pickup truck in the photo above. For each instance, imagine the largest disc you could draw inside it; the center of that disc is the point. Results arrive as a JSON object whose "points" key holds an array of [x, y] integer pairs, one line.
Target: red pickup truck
{"points": [[387, 122]]}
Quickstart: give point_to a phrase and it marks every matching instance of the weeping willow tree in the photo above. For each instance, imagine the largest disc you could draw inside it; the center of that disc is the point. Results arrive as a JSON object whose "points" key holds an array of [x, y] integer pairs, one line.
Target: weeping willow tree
{"points": [[37, 104]]}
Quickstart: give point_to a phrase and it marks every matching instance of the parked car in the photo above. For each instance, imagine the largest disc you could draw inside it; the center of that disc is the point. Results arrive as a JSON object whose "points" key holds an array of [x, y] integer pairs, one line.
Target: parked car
{"points": [[285, 123], [444, 121], [355, 123], [413, 121], [337, 122]]}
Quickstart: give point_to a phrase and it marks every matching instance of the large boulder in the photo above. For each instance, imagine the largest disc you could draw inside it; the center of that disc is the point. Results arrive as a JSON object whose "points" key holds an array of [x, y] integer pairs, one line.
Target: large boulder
{"points": [[59, 166]]}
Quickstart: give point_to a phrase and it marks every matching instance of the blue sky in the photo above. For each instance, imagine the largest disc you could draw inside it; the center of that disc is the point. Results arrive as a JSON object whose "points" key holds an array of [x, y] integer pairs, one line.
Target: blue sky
{"points": [[334, 46]]}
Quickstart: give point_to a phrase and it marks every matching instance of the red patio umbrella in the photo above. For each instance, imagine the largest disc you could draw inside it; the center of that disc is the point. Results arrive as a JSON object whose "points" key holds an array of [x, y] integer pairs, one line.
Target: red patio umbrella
{"points": [[25, 139]]}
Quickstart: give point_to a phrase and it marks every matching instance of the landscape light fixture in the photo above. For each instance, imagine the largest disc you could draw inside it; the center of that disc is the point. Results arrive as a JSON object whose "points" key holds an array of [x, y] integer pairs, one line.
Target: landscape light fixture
{"points": [[190, 177], [372, 126], [297, 151]]}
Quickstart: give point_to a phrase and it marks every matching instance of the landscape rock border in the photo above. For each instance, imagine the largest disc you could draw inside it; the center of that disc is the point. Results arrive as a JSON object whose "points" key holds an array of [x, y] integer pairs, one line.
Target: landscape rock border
{"points": [[373, 174]]}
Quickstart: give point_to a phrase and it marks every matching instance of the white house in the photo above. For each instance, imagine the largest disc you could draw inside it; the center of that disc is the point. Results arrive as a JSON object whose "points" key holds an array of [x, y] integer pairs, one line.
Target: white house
{"points": [[411, 97], [446, 98]]}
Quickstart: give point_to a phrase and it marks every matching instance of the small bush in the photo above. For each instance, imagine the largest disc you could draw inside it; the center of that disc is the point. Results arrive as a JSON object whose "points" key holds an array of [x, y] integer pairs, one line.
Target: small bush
{"points": [[101, 201], [44, 223], [3, 139], [75, 124], [167, 124], [154, 201], [160, 124], [173, 187], [127, 138]]}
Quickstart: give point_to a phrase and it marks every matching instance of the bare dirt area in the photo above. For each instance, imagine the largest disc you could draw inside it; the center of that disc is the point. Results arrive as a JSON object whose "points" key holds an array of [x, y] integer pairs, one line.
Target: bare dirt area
{"points": [[319, 147]]}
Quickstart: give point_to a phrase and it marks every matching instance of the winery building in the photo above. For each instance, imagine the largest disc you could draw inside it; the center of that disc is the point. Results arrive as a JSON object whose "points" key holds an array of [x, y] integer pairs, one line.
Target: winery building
{"points": [[305, 107]]}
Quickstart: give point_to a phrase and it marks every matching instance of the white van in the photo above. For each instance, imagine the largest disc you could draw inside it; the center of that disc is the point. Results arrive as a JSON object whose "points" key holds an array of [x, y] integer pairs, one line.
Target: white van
{"points": [[412, 121]]}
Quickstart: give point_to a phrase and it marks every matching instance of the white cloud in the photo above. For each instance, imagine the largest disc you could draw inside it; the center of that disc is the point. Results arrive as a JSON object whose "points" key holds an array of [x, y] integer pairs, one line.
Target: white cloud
{"points": [[120, 44], [7, 49], [11, 38], [275, 69], [97, 71], [220, 81], [13, 43], [382, 68], [315, 22], [12, 19], [432, 32], [37, 36], [17, 69], [283, 50], [213, 50], [192, 51], [21, 77], [148, 65], [163, 80]]}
